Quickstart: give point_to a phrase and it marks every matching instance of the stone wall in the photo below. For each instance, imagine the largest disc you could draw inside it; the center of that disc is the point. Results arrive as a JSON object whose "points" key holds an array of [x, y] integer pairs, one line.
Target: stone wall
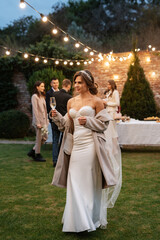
{"points": [[117, 70], [23, 97]]}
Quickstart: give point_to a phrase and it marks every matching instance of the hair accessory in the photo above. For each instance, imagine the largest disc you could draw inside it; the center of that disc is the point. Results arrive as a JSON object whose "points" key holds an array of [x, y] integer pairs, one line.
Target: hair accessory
{"points": [[85, 73]]}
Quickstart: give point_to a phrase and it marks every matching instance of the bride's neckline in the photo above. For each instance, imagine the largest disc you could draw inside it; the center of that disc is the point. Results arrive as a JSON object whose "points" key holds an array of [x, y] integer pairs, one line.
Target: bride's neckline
{"points": [[82, 107]]}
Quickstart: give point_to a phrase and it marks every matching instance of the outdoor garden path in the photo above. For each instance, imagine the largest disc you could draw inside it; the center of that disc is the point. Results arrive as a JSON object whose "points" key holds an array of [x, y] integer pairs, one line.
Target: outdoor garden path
{"points": [[5, 141]]}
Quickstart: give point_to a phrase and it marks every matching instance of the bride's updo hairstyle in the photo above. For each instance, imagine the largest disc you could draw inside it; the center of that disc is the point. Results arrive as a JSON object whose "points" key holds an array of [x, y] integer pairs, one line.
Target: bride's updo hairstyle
{"points": [[89, 80]]}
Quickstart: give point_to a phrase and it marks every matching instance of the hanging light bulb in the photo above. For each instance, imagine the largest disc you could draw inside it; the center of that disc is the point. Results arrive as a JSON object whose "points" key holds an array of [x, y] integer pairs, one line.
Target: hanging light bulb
{"points": [[92, 59], [25, 55], [149, 46], [100, 55], [36, 59], [44, 18], [57, 62], [8, 52], [55, 30], [115, 77], [121, 59], [91, 53], [153, 74], [153, 49], [22, 4], [45, 60], [85, 49], [66, 38], [78, 63], [107, 64], [99, 60], [71, 63], [65, 62], [77, 45], [148, 59], [85, 63]]}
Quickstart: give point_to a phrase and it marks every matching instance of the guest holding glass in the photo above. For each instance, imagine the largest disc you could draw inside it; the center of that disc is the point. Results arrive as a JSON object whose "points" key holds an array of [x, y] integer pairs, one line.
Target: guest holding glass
{"points": [[40, 120]]}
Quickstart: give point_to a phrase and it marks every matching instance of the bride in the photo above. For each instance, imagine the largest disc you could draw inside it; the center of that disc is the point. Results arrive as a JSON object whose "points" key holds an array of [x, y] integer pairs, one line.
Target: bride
{"points": [[86, 167]]}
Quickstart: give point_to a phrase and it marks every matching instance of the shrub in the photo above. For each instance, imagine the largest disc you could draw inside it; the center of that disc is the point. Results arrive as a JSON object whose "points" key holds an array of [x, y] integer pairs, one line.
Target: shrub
{"points": [[8, 96], [137, 99], [13, 124], [45, 76]]}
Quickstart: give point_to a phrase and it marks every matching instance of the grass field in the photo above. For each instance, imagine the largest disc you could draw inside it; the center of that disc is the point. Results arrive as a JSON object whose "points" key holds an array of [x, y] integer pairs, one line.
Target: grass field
{"points": [[31, 208]]}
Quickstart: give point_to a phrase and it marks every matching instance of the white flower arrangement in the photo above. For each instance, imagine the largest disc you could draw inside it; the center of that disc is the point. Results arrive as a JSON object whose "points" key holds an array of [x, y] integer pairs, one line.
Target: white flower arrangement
{"points": [[44, 131]]}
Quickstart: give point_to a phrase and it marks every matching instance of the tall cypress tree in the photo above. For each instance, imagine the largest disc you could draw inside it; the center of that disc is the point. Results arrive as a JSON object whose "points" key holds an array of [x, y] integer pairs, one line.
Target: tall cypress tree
{"points": [[137, 99]]}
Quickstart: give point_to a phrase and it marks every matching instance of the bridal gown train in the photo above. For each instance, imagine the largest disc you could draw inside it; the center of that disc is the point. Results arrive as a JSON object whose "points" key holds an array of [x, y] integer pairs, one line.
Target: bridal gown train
{"points": [[84, 182]]}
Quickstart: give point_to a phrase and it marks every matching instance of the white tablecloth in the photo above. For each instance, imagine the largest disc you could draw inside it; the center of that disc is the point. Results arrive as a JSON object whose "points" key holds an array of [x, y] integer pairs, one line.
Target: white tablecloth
{"points": [[136, 132], [133, 132]]}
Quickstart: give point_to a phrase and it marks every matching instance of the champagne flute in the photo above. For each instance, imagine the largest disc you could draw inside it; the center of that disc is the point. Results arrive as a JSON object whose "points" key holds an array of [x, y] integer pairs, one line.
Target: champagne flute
{"points": [[52, 103]]}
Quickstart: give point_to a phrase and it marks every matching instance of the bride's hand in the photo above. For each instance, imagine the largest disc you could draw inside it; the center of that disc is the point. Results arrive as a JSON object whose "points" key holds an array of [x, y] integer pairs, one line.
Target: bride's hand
{"points": [[82, 120], [53, 113]]}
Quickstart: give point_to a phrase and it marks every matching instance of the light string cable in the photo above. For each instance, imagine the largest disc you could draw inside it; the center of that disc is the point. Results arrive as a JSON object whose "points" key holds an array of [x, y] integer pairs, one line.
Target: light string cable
{"points": [[45, 19], [45, 59]]}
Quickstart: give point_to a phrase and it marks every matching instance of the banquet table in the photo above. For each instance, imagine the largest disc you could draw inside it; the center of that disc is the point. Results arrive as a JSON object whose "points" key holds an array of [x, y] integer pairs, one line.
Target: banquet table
{"points": [[135, 132]]}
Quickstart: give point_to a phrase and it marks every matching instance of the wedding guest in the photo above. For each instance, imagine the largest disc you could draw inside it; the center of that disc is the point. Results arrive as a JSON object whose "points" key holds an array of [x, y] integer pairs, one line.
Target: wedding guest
{"points": [[40, 120], [55, 132], [86, 167], [62, 96], [111, 100]]}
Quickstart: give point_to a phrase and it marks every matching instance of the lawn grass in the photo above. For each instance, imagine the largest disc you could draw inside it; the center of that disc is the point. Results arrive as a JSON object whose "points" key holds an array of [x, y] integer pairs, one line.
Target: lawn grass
{"points": [[31, 208]]}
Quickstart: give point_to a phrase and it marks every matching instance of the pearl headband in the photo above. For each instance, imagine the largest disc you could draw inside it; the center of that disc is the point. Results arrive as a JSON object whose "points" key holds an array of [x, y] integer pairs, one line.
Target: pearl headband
{"points": [[85, 73]]}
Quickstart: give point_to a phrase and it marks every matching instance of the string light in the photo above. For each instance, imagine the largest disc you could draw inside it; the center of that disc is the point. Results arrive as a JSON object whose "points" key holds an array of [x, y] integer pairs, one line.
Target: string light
{"points": [[153, 74], [36, 59], [54, 31], [77, 45], [115, 77], [45, 60], [25, 55], [148, 59], [65, 62], [149, 46], [85, 63], [78, 63], [121, 59], [71, 63], [85, 49], [66, 38], [107, 64], [44, 18], [91, 53], [57, 62], [153, 49], [22, 4], [92, 59], [8, 52]]}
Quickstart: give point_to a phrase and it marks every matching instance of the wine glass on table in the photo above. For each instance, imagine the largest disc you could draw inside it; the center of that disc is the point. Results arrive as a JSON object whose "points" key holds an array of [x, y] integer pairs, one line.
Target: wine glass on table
{"points": [[52, 103]]}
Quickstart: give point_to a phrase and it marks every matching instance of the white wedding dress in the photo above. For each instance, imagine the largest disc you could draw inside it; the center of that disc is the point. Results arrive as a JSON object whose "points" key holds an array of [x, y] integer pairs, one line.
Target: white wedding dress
{"points": [[84, 183]]}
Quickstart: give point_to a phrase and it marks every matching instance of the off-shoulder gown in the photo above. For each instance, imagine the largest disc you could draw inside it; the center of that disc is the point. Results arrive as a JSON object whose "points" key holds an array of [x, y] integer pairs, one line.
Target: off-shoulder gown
{"points": [[84, 182]]}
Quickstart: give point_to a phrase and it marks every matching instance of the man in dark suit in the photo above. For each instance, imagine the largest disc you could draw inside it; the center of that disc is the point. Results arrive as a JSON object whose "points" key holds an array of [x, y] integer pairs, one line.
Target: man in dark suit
{"points": [[62, 98]]}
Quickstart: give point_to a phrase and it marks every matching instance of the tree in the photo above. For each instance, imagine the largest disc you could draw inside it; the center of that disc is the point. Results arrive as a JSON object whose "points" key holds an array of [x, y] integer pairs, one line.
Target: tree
{"points": [[137, 99]]}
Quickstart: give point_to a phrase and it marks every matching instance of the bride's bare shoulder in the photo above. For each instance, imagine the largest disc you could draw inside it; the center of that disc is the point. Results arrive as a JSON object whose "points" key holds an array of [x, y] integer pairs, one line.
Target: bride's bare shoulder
{"points": [[72, 101], [98, 104]]}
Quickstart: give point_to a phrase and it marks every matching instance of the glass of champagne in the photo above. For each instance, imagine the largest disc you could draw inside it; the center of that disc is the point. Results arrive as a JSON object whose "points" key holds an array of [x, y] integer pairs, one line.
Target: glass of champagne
{"points": [[52, 103]]}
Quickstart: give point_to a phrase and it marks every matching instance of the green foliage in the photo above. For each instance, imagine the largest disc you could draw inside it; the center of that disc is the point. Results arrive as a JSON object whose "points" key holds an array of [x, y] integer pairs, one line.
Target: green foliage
{"points": [[13, 124], [8, 96], [137, 99], [45, 75]]}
